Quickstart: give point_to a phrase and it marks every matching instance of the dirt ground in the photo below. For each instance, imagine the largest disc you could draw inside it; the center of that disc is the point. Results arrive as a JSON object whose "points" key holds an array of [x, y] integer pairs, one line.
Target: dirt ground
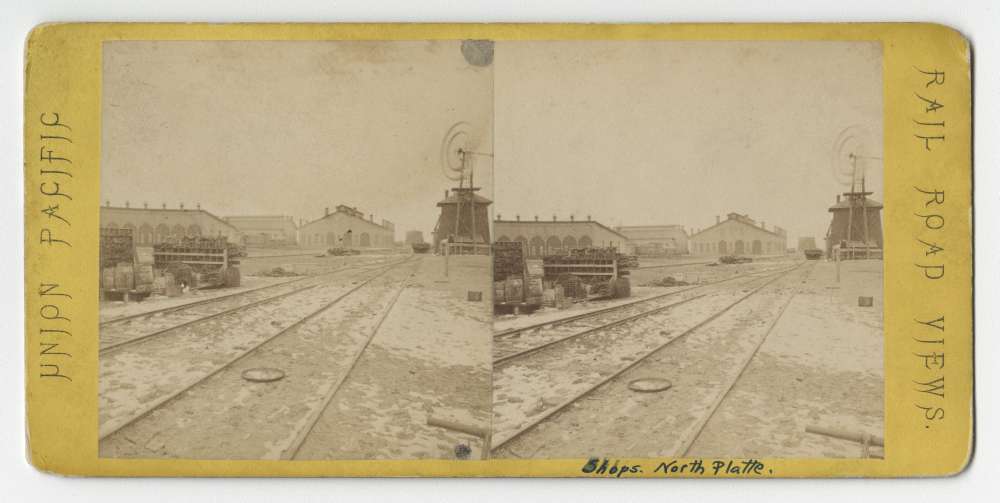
{"points": [[429, 357], [821, 365]]}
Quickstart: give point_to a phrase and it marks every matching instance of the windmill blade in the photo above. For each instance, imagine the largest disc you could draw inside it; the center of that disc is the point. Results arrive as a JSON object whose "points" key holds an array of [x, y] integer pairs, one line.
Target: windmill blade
{"points": [[848, 154], [455, 145]]}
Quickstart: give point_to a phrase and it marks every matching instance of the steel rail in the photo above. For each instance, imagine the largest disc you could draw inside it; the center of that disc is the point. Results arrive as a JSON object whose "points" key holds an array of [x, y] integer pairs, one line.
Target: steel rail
{"points": [[108, 348], [562, 321], [513, 356], [104, 433], [689, 440], [292, 450], [554, 410]]}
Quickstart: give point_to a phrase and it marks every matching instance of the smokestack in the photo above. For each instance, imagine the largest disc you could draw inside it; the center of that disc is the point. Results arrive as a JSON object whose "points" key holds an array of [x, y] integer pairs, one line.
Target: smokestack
{"points": [[717, 219], [182, 206], [588, 218], [838, 198], [536, 218], [518, 217], [572, 218], [553, 218], [326, 211], [164, 205], [126, 204], [145, 205]]}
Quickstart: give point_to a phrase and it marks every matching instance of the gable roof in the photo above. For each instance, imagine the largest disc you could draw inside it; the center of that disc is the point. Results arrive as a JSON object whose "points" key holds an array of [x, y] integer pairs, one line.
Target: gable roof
{"points": [[742, 221], [576, 222]]}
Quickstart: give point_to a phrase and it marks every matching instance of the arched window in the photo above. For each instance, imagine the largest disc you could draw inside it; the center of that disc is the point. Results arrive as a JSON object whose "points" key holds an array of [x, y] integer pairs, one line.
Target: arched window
{"points": [[146, 234], [722, 248], [178, 231], [348, 238], [131, 227], [757, 247], [162, 233], [194, 230], [537, 247], [552, 245], [585, 242], [365, 240], [738, 247], [569, 242], [503, 239]]}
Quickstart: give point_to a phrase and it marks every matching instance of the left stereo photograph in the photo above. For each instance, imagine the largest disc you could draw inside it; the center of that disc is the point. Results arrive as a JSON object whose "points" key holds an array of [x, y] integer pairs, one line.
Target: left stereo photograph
{"points": [[294, 249]]}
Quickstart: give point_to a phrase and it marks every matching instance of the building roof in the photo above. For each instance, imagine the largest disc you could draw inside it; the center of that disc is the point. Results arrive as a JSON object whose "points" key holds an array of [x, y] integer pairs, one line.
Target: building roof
{"points": [[844, 204], [354, 213], [577, 222], [741, 219], [453, 199], [175, 210]]}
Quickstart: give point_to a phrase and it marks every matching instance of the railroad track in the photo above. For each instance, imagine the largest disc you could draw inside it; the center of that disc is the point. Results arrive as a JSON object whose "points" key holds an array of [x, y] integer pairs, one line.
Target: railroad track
{"points": [[606, 376], [121, 332], [228, 357], [514, 332]]}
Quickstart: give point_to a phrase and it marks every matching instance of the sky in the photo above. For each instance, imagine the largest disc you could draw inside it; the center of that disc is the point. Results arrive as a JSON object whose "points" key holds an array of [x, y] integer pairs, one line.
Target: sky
{"points": [[664, 132], [629, 132], [290, 128]]}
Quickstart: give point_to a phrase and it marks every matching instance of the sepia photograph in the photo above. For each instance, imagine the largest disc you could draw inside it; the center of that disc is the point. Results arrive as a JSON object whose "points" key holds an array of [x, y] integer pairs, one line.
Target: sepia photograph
{"points": [[688, 250], [295, 249]]}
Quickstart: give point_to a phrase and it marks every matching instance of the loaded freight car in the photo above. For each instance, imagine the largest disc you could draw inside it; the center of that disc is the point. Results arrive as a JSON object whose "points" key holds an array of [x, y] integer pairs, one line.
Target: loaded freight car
{"points": [[591, 272], [198, 262], [517, 280]]}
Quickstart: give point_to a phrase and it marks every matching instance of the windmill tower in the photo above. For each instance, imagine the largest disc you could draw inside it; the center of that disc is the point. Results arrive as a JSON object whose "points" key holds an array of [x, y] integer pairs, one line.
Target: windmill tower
{"points": [[464, 216], [856, 226]]}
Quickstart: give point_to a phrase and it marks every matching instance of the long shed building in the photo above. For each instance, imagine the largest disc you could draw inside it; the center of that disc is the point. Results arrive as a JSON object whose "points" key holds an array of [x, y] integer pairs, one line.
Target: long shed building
{"points": [[266, 230], [738, 235], [347, 227], [552, 236], [653, 240], [156, 225]]}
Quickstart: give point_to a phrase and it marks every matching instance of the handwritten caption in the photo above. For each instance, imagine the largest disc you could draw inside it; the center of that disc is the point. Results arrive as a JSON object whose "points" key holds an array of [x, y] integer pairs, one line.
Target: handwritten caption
{"points": [[605, 467]]}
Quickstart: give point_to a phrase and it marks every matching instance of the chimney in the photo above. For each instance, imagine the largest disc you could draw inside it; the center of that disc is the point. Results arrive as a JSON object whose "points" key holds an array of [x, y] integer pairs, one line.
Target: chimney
{"points": [[762, 226], [198, 205], [553, 218], [446, 193], [838, 198], [371, 217], [126, 204], [536, 218], [571, 217], [326, 211], [107, 204], [518, 217], [145, 205], [182, 206], [588, 218], [164, 205], [717, 219], [499, 216]]}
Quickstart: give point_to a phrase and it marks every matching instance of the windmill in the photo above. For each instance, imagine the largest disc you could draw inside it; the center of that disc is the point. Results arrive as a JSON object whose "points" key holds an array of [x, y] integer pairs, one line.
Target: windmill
{"points": [[849, 161], [459, 150]]}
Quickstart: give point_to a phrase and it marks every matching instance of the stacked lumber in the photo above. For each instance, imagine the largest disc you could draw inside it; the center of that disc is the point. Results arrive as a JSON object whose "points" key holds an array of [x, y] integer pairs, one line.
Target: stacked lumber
{"points": [[508, 259]]}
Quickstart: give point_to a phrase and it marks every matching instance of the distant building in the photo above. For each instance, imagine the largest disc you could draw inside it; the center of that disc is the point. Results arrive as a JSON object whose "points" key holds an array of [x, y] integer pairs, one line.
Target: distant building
{"points": [[464, 218], [649, 240], [807, 243], [157, 225], [414, 237], [553, 236], [857, 220], [346, 227], [738, 235], [266, 230]]}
